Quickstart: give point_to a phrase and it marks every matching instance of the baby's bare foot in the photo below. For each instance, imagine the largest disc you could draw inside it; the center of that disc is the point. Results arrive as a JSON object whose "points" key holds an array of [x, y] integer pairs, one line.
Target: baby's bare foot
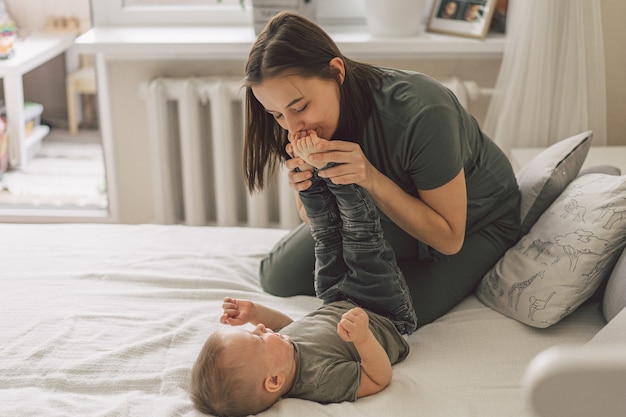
{"points": [[305, 147], [294, 151]]}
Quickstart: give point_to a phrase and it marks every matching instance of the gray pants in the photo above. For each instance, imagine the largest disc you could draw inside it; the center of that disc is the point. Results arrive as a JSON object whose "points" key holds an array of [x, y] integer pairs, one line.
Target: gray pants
{"points": [[436, 282], [354, 261]]}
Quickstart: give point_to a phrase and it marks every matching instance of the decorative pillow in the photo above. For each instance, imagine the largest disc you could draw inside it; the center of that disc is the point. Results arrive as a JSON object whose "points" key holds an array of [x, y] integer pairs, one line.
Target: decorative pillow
{"points": [[615, 294], [545, 176], [566, 255]]}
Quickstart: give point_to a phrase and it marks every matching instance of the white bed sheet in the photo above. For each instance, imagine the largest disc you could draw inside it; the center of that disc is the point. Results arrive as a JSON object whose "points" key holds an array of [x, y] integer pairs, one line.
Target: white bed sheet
{"points": [[107, 320]]}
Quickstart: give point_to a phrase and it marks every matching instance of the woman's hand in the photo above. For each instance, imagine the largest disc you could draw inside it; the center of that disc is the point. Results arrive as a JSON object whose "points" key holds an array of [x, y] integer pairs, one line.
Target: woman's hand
{"points": [[298, 180], [436, 218], [353, 166]]}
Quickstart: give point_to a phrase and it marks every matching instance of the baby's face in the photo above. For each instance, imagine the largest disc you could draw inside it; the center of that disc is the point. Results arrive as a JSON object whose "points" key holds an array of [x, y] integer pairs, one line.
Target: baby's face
{"points": [[262, 345]]}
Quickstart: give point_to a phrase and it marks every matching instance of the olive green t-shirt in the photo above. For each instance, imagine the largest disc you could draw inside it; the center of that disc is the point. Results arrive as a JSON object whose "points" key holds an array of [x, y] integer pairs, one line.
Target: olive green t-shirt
{"points": [[329, 369], [420, 136]]}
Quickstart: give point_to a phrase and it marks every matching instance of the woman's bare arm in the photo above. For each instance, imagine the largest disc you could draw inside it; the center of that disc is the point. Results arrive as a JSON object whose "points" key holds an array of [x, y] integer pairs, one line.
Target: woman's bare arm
{"points": [[437, 218]]}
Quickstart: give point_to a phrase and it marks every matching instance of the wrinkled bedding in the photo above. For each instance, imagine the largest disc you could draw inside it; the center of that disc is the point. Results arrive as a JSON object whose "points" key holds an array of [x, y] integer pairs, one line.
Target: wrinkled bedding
{"points": [[107, 320]]}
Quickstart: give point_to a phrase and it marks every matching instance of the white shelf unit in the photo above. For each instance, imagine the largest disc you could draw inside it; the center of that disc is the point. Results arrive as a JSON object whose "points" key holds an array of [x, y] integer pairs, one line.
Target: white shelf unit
{"points": [[31, 52], [32, 142]]}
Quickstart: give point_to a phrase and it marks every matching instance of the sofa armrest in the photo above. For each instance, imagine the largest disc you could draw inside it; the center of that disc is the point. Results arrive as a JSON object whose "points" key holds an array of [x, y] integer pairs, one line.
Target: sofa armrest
{"points": [[577, 382]]}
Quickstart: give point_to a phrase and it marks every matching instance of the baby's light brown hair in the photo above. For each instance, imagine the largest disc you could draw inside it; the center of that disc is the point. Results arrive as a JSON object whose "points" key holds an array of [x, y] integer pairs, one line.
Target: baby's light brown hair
{"points": [[223, 383]]}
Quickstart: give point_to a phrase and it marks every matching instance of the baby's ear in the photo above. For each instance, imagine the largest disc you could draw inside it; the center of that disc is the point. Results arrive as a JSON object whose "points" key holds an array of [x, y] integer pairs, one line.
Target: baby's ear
{"points": [[274, 383]]}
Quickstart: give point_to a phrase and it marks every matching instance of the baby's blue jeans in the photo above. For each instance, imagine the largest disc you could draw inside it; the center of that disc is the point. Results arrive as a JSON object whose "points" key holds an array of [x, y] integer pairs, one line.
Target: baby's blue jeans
{"points": [[353, 260]]}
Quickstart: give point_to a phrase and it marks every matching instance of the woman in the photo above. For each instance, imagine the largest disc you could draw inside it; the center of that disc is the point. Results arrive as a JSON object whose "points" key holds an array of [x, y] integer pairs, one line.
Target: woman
{"points": [[447, 195]]}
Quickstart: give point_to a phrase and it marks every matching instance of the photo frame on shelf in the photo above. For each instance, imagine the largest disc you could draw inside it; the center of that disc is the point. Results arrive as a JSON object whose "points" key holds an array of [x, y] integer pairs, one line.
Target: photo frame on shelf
{"points": [[470, 18], [498, 21]]}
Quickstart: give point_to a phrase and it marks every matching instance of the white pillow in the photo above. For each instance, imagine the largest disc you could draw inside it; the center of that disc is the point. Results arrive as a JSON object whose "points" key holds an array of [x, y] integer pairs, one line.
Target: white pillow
{"points": [[564, 257]]}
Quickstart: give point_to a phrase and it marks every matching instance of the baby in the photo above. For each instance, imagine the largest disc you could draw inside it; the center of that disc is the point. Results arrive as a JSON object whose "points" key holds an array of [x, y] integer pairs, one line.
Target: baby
{"points": [[340, 352]]}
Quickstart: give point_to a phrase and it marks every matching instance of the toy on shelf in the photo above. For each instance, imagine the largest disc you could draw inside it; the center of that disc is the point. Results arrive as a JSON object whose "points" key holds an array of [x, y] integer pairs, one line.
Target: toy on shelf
{"points": [[32, 115], [7, 33]]}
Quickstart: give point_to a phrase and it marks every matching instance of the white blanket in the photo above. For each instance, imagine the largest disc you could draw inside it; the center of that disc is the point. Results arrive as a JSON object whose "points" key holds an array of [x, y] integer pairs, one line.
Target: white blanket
{"points": [[107, 320]]}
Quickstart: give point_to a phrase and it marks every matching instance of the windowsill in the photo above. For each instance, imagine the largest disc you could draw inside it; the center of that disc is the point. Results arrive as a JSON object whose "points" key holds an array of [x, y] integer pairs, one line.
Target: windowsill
{"points": [[33, 214], [224, 43]]}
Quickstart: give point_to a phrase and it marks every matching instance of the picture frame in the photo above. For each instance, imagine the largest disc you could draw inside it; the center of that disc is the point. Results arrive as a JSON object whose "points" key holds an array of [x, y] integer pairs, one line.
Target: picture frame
{"points": [[470, 18], [498, 21]]}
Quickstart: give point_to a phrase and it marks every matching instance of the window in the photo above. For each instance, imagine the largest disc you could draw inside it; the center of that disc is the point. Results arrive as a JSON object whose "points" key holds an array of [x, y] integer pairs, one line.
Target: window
{"points": [[206, 12], [169, 12], [177, 3]]}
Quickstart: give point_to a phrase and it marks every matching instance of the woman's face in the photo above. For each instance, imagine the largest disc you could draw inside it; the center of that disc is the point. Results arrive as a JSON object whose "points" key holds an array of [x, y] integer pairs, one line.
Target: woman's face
{"points": [[299, 104]]}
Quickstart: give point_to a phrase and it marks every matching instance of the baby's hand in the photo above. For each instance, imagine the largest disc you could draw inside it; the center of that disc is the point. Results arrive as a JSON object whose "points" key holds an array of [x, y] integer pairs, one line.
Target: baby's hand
{"points": [[354, 326], [237, 312]]}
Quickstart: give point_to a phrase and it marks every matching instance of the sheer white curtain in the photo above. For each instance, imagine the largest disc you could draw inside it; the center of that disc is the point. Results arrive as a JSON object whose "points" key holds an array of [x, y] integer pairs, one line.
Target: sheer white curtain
{"points": [[552, 81]]}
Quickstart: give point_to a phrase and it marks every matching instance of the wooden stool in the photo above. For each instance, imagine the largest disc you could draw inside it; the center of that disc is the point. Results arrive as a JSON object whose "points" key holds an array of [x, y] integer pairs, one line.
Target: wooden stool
{"points": [[83, 81]]}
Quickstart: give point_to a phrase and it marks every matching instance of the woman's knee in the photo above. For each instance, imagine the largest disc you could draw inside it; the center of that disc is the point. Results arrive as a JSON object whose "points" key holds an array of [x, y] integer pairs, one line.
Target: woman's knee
{"points": [[289, 268]]}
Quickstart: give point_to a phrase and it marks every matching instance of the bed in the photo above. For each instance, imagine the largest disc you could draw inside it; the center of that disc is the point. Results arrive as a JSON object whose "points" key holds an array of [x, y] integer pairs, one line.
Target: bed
{"points": [[107, 320]]}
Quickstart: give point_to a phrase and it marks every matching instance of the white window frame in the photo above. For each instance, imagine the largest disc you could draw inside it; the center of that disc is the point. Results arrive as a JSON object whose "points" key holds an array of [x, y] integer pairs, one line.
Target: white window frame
{"points": [[114, 13]]}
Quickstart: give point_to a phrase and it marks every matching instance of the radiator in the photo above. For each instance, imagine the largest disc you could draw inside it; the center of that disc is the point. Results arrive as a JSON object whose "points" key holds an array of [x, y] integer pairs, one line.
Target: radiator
{"points": [[196, 137]]}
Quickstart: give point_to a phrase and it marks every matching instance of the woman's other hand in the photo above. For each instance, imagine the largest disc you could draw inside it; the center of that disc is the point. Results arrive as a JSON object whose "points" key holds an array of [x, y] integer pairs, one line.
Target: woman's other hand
{"points": [[352, 167]]}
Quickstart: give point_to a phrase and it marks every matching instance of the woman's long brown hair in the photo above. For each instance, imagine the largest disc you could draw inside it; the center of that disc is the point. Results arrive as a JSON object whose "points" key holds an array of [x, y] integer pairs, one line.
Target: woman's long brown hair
{"points": [[292, 44]]}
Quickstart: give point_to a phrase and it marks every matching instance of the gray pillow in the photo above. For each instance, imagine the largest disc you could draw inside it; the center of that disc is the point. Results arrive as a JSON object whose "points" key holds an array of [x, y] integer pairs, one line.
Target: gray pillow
{"points": [[545, 176], [615, 293]]}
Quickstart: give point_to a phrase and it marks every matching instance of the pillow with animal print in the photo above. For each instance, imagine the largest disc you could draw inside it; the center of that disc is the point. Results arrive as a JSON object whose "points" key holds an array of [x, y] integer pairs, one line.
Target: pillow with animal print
{"points": [[565, 256]]}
